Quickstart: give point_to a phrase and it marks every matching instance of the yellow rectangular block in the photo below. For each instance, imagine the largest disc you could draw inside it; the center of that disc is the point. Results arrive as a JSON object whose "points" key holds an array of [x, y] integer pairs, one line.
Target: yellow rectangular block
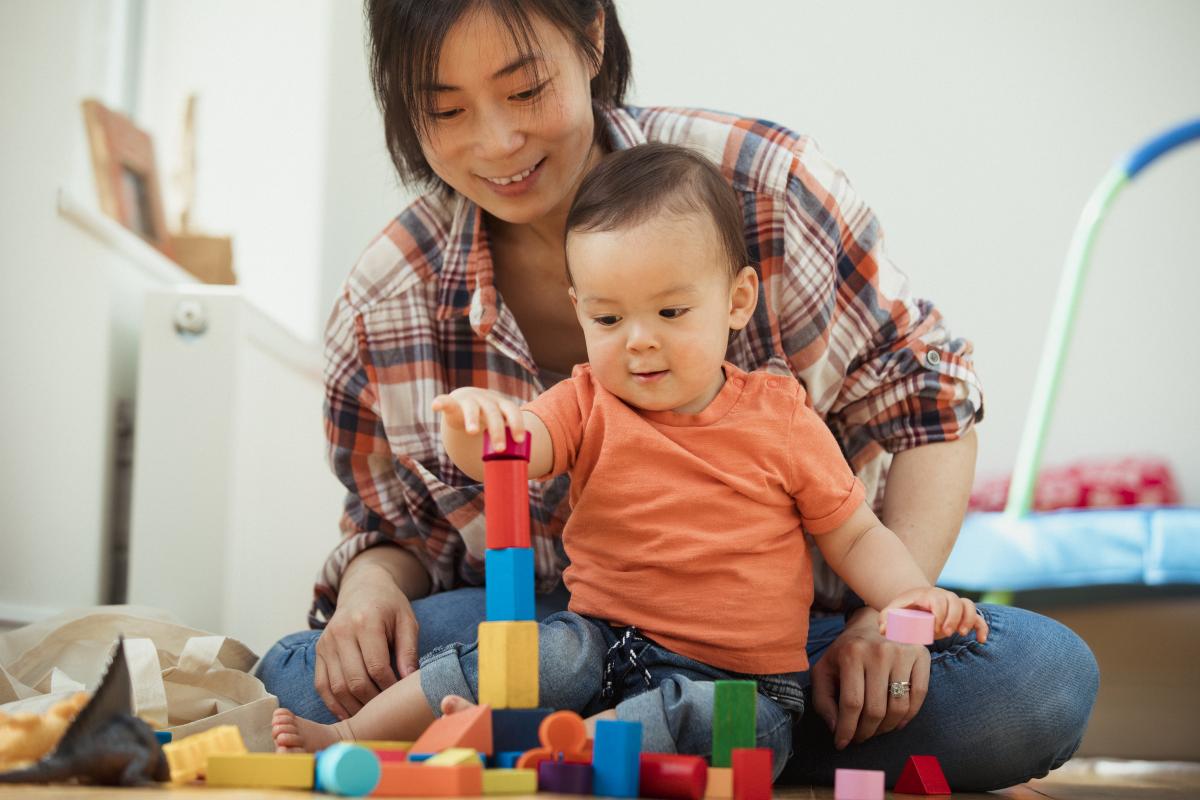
{"points": [[508, 664], [262, 770], [510, 781], [453, 756], [186, 757], [383, 744], [720, 783]]}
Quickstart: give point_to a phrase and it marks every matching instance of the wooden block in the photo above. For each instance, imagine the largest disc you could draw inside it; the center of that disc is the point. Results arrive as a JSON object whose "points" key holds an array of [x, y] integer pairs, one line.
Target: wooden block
{"points": [[408, 779], [509, 587], [734, 718], [563, 736], [186, 757], [516, 728], [506, 501], [509, 781], [752, 774], [455, 756], [615, 758], [508, 664], [471, 727], [667, 776], [347, 769], [922, 775], [858, 784], [261, 770], [383, 744], [564, 777], [720, 784]]}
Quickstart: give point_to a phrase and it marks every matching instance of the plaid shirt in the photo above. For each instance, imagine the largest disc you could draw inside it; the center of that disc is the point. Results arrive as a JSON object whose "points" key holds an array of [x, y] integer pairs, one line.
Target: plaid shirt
{"points": [[419, 315]]}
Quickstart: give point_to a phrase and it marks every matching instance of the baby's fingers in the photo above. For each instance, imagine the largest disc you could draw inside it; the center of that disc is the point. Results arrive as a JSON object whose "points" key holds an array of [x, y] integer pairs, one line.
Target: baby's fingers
{"points": [[973, 619]]}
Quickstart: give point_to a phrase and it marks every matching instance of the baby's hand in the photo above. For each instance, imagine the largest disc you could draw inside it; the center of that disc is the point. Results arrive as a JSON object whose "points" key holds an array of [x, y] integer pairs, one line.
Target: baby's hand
{"points": [[468, 408], [950, 612]]}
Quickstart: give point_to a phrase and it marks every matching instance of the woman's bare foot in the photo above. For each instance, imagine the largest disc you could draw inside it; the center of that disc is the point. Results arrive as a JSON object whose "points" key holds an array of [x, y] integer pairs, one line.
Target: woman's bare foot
{"points": [[294, 734]]}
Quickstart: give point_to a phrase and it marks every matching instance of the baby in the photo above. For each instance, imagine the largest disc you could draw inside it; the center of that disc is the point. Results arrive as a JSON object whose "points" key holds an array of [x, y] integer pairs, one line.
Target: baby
{"points": [[692, 484]]}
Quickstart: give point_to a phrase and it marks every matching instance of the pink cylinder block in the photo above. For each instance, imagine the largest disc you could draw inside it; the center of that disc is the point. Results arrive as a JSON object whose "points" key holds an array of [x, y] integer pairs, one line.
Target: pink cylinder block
{"points": [[910, 625], [858, 784]]}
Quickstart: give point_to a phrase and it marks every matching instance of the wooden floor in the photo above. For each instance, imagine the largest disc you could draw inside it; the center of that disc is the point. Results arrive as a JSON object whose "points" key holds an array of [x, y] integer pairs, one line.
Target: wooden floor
{"points": [[1080, 779]]}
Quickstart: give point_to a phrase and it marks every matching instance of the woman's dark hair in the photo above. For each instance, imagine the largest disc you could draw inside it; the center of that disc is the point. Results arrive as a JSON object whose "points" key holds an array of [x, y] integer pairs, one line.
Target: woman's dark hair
{"points": [[631, 186], [406, 38]]}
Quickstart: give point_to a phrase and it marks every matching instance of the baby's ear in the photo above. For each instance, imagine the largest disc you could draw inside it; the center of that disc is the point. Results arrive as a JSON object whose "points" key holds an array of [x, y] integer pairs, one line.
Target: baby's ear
{"points": [[572, 295], [743, 298]]}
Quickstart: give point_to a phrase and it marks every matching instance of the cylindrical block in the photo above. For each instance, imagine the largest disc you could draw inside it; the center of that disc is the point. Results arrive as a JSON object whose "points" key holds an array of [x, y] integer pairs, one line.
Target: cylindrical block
{"points": [[506, 503], [672, 777], [910, 625]]}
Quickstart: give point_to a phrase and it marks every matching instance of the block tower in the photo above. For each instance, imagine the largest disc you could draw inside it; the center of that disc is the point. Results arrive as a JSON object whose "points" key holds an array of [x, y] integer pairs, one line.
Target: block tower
{"points": [[508, 640]]}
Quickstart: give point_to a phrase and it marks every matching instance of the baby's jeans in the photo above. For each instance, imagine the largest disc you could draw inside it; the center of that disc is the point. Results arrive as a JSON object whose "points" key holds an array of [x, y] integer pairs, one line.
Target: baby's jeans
{"points": [[587, 666]]}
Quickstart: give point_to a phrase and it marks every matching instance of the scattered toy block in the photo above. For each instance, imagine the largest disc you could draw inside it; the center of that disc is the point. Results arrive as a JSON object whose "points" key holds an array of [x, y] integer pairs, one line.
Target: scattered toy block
{"points": [[454, 756], [508, 759], [910, 625], [922, 775], [506, 492], [752, 773], [858, 784], [261, 770], [347, 769], [471, 727], [735, 714], [186, 757], [720, 784], [508, 664], [164, 737], [510, 781], [383, 744], [564, 777], [509, 586], [417, 758], [671, 777], [391, 755], [615, 758], [563, 736], [407, 779], [517, 728]]}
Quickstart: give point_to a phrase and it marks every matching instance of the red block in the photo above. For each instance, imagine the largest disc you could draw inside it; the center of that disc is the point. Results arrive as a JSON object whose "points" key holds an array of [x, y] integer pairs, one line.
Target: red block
{"points": [[922, 775], [506, 503], [672, 777], [751, 773]]}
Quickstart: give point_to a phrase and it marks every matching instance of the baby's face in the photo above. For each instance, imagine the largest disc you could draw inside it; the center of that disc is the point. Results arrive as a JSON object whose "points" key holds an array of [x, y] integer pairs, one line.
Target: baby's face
{"points": [[655, 302]]}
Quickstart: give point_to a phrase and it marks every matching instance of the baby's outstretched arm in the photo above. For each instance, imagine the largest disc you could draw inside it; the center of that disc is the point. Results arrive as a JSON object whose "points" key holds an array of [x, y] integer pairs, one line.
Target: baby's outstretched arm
{"points": [[877, 566], [468, 412]]}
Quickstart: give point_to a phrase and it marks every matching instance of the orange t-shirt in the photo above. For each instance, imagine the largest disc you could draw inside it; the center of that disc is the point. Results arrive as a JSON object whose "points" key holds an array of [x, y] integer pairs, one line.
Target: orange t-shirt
{"points": [[690, 526]]}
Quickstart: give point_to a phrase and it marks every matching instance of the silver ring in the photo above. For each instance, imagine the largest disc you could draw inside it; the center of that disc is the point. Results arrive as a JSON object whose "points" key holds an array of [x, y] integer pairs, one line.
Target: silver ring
{"points": [[899, 688]]}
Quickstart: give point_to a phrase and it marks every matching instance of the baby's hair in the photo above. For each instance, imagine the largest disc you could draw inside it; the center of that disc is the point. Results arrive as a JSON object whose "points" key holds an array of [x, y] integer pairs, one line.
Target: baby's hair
{"points": [[632, 186]]}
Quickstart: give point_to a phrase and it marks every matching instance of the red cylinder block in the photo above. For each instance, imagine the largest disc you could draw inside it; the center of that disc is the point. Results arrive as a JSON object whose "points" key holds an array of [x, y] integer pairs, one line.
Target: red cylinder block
{"points": [[506, 503], [672, 777]]}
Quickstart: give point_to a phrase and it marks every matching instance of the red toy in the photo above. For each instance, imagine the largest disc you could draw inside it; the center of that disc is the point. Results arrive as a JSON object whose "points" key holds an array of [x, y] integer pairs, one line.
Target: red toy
{"points": [[672, 777], [506, 492], [751, 773], [922, 775]]}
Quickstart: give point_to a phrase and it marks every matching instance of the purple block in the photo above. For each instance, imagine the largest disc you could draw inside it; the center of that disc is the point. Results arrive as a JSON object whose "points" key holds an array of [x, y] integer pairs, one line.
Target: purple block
{"points": [[565, 777]]}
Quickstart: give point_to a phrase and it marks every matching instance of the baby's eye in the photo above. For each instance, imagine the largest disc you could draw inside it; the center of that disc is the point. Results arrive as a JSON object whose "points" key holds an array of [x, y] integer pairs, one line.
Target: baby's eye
{"points": [[607, 320], [672, 313], [529, 94]]}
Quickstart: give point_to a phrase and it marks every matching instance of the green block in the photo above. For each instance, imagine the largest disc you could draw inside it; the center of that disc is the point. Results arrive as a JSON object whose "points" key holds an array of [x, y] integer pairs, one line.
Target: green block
{"points": [[734, 715]]}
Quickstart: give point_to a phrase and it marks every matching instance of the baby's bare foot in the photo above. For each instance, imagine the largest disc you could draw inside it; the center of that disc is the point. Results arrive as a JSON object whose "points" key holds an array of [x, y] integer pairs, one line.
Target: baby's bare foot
{"points": [[294, 734], [453, 703]]}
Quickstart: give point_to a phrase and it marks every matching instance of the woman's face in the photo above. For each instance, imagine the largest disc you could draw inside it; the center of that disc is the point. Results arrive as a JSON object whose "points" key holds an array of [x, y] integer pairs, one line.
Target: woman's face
{"points": [[517, 146]]}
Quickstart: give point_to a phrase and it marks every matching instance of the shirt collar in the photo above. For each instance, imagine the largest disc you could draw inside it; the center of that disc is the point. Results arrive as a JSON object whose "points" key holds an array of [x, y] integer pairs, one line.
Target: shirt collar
{"points": [[466, 286]]}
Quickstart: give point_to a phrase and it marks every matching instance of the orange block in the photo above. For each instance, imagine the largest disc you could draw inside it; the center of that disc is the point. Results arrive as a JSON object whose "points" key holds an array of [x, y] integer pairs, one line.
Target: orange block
{"points": [[416, 779], [564, 737], [471, 728]]}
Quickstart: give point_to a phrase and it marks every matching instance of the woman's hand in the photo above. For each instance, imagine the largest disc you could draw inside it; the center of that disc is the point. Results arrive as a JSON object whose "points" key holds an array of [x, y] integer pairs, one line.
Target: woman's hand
{"points": [[354, 661], [951, 613], [469, 409], [850, 682]]}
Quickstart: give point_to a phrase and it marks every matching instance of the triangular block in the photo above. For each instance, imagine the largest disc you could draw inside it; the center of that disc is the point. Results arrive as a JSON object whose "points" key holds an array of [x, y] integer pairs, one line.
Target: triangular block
{"points": [[922, 775], [471, 727]]}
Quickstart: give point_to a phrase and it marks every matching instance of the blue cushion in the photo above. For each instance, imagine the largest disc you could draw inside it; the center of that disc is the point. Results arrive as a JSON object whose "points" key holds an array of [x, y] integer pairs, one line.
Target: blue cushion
{"points": [[1058, 549]]}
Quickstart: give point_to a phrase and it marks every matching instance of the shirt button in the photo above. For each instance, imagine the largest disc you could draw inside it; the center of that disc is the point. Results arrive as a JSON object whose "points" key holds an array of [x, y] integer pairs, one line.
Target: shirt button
{"points": [[933, 358]]}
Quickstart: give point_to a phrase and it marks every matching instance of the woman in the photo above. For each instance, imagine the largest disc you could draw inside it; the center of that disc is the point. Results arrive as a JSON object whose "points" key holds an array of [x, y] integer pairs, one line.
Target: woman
{"points": [[501, 108]]}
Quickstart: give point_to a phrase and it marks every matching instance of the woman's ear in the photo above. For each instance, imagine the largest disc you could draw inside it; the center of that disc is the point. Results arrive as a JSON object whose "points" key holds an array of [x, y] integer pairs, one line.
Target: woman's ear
{"points": [[596, 34], [743, 298]]}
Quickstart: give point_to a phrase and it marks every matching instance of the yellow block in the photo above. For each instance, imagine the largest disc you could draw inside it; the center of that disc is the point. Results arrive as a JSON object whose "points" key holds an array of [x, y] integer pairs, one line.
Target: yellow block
{"points": [[186, 756], [265, 770], [509, 781], [383, 744], [508, 664], [454, 756], [720, 783]]}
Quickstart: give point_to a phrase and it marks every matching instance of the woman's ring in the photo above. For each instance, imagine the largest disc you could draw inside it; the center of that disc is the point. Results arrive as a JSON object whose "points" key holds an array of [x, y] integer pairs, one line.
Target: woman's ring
{"points": [[898, 688]]}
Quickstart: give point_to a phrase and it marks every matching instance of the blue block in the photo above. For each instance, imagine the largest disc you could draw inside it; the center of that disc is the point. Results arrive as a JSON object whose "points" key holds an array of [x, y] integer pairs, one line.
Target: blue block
{"points": [[616, 758], [516, 729], [164, 737], [507, 759], [347, 769], [420, 756], [509, 584]]}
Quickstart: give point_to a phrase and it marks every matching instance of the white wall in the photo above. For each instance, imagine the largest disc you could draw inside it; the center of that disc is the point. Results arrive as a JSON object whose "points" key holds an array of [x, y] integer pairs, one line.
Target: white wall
{"points": [[977, 132]]}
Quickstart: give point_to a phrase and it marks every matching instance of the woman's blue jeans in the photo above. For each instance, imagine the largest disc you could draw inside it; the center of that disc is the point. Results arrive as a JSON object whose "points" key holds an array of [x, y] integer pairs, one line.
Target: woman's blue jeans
{"points": [[996, 715]]}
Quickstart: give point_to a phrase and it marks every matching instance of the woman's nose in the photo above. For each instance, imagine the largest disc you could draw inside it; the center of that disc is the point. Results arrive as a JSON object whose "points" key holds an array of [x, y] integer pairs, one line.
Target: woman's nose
{"points": [[499, 136]]}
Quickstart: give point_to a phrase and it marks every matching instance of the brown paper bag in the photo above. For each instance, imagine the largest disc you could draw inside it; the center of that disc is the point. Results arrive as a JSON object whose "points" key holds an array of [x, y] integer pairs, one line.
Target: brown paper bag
{"points": [[184, 680]]}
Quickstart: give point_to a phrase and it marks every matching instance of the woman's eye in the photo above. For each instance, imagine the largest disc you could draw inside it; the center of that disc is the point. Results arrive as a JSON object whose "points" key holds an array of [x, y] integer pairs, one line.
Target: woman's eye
{"points": [[606, 321], [529, 94], [672, 313], [448, 114]]}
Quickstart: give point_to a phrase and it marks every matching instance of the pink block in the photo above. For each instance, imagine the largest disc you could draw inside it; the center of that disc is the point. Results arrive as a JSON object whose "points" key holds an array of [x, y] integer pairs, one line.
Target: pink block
{"points": [[858, 784], [910, 625]]}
